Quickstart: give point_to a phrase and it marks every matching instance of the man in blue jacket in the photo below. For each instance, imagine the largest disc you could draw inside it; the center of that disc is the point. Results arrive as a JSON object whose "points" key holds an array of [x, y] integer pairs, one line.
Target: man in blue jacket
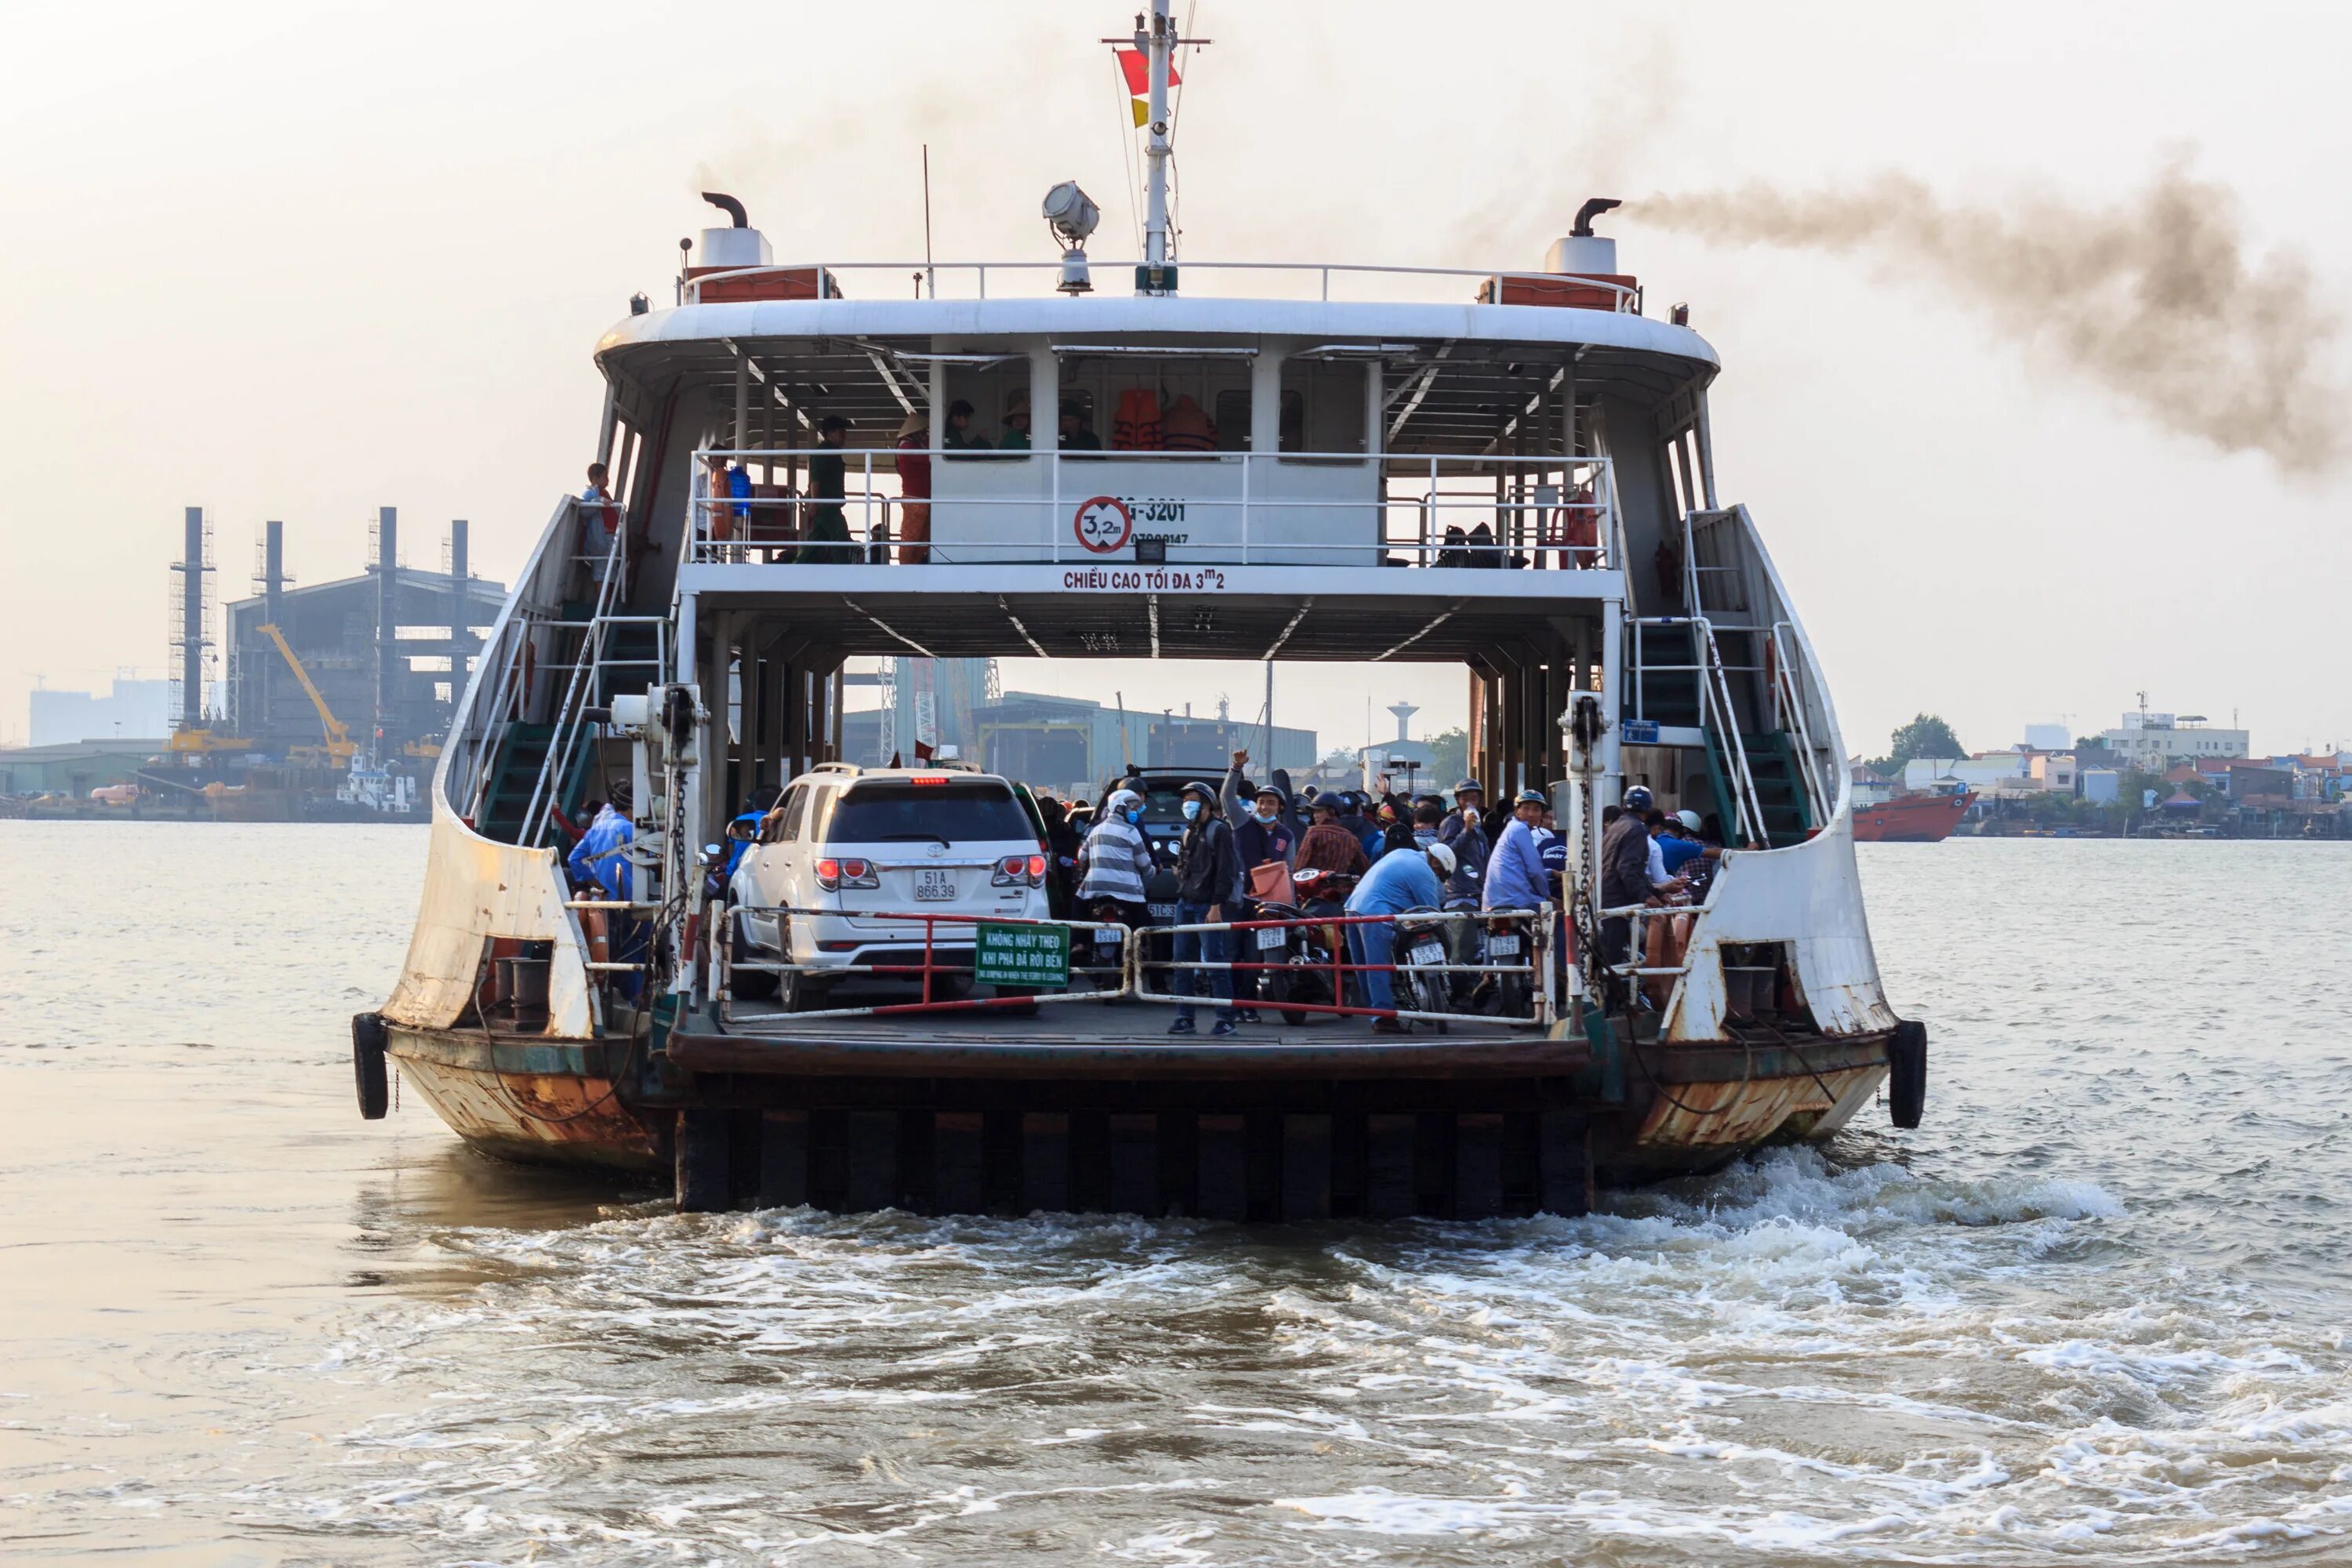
{"points": [[1395, 884], [1515, 876]]}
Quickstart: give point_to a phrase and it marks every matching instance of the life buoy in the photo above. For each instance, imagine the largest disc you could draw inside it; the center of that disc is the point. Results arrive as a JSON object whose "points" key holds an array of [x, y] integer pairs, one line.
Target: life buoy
{"points": [[594, 928]]}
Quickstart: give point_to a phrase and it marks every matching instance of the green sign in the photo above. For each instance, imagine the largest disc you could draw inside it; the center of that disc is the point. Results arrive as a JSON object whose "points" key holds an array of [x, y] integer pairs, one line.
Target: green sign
{"points": [[1037, 956]]}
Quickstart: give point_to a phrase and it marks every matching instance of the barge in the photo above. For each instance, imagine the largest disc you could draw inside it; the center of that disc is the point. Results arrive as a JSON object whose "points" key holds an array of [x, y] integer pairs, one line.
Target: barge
{"points": [[1509, 471]]}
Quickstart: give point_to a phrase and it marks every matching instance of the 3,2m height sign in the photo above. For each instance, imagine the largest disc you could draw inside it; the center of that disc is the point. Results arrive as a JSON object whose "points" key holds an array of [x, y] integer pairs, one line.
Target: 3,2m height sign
{"points": [[1103, 525]]}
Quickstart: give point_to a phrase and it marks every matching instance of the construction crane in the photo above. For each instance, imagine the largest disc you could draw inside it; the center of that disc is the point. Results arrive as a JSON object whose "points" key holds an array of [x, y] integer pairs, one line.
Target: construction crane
{"points": [[341, 749]]}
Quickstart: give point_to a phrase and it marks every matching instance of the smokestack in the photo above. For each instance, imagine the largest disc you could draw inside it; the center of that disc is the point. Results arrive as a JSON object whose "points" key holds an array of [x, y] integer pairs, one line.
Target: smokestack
{"points": [[192, 622], [457, 570], [273, 569], [387, 616]]}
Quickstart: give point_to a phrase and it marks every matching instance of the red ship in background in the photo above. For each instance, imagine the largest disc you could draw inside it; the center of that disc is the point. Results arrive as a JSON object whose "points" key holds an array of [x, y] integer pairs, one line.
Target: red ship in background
{"points": [[1912, 818]]}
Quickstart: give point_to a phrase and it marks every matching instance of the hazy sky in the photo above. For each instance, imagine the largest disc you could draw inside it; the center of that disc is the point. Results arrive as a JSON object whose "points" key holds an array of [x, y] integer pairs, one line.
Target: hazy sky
{"points": [[300, 260]]}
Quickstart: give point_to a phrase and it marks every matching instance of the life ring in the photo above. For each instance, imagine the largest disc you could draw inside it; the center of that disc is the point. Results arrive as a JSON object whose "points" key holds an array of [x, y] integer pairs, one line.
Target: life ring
{"points": [[594, 928]]}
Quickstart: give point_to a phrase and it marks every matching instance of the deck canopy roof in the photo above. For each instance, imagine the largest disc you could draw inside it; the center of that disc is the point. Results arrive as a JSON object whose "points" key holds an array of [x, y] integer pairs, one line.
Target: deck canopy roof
{"points": [[1261, 613], [1456, 375]]}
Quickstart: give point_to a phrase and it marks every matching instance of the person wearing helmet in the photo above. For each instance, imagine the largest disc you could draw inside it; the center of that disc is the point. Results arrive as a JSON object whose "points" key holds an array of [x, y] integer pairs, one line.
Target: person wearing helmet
{"points": [[1351, 817], [1208, 878], [1625, 880], [1678, 843], [1115, 862], [1515, 875], [1395, 884], [1328, 845], [1469, 806]]}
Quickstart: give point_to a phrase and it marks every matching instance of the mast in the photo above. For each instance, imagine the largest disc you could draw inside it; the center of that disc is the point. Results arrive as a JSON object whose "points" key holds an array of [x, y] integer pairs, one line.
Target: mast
{"points": [[1157, 48]]}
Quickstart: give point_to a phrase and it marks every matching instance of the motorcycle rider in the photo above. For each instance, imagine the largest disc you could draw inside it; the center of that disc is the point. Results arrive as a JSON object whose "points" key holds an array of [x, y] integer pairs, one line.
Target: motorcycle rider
{"points": [[1115, 863], [1395, 884]]}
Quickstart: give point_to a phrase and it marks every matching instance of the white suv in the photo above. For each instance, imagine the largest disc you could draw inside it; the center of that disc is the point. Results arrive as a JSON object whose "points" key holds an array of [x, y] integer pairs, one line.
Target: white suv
{"points": [[857, 845]]}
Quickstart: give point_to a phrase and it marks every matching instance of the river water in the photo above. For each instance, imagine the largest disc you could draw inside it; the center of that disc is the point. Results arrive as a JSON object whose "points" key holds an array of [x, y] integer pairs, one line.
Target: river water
{"points": [[2095, 1307]]}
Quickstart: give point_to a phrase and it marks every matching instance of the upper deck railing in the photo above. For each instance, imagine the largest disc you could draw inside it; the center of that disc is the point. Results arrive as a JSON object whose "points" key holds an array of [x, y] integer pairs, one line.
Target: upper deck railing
{"points": [[964, 506], [1277, 279]]}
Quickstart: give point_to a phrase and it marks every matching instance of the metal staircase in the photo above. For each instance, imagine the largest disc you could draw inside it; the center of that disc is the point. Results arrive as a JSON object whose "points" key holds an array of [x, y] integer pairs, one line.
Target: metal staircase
{"points": [[1708, 672]]}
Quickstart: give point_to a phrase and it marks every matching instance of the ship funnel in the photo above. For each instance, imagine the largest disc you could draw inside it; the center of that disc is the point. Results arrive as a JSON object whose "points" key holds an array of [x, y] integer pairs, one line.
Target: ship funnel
{"points": [[738, 245], [1583, 253]]}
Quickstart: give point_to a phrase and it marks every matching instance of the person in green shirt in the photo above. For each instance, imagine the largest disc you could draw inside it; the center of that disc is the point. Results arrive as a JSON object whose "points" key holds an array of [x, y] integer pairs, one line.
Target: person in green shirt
{"points": [[1016, 430], [828, 531]]}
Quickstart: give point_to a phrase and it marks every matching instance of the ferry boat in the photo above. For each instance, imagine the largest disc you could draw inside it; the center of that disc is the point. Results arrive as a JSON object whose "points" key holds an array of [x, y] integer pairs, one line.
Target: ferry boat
{"points": [[1508, 470], [1913, 818]]}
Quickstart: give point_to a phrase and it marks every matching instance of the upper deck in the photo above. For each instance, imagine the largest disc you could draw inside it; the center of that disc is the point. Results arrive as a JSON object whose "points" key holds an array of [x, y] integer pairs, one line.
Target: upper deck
{"points": [[1266, 416]]}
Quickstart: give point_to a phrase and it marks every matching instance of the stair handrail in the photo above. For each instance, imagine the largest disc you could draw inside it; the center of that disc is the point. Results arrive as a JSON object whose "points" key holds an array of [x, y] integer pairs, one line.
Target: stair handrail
{"points": [[1792, 707], [511, 638], [563, 742], [1715, 688]]}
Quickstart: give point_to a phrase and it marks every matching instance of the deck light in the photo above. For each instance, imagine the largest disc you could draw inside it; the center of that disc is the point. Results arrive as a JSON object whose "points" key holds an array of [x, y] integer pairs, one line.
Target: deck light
{"points": [[1072, 215]]}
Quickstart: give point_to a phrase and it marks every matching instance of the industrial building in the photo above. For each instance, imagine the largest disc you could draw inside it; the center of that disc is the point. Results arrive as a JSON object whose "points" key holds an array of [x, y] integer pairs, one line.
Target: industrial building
{"points": [[1075, 743], [386, 652]]}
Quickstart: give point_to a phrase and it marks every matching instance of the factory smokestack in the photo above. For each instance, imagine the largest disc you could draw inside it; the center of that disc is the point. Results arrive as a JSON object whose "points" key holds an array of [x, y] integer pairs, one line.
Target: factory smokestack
{"points": [[386, 567], [192, 567], [2153, 297]]}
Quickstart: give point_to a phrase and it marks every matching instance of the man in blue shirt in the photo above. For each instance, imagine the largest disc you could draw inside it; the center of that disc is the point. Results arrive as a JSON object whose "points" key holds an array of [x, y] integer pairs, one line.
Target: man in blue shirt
{"points": [[600, 855], [1514, 877], [1395, 884], [1679, 844]]}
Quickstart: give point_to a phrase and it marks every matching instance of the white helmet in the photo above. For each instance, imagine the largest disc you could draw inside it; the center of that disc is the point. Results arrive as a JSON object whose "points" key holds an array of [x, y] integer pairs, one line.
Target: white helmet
{"points": [[1443, 854], [1688, 819], [1123, 800]]}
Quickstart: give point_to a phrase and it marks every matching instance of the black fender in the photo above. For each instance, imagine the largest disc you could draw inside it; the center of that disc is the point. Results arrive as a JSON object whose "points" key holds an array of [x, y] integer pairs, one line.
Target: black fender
{"points": [[1906, 1074], [368, 1069]]}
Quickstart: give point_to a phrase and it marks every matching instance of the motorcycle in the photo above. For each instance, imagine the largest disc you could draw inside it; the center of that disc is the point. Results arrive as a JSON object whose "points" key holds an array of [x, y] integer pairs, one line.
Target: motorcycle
{"points": [[1309, 949], [1422, 982], [1105, 945]]}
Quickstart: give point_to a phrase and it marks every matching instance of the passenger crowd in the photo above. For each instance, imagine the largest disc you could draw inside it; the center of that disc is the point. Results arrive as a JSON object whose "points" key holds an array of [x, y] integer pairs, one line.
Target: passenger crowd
{"points": [[1241, 846]]}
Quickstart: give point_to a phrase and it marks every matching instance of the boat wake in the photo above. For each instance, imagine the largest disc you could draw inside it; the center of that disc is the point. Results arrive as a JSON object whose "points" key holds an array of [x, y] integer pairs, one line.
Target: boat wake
{"points": [[1797, 1360]]}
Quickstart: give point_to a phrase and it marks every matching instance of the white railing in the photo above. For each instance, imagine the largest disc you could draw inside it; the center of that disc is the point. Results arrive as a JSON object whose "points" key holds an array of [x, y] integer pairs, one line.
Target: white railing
{"points": [[1790, 707], [1221, 507], [1294, 279]]}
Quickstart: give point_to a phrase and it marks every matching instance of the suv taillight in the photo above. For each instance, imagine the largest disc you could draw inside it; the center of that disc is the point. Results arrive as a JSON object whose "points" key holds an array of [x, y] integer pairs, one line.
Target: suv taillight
{"points": [[1036, 870], [834, 875], [1010, 872]]}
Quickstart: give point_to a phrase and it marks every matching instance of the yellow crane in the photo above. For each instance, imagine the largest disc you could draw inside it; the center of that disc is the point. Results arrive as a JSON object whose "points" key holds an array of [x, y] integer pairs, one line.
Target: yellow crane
{"points": [[340, 746]]}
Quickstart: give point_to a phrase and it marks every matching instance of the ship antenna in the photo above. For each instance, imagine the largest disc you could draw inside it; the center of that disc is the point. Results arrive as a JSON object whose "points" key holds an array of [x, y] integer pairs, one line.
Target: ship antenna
{"points": [[1157, 47], [930, 278]]}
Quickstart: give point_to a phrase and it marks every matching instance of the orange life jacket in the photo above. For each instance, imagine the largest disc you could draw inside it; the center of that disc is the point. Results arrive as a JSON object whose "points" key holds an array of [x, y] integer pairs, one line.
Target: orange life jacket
{"points": [[1136, 426], [1187, 427]]}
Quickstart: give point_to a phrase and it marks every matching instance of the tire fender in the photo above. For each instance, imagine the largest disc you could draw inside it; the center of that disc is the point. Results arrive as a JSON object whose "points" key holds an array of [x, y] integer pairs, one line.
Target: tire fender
{"points": [[368, 1069], [1906, 1074]]}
